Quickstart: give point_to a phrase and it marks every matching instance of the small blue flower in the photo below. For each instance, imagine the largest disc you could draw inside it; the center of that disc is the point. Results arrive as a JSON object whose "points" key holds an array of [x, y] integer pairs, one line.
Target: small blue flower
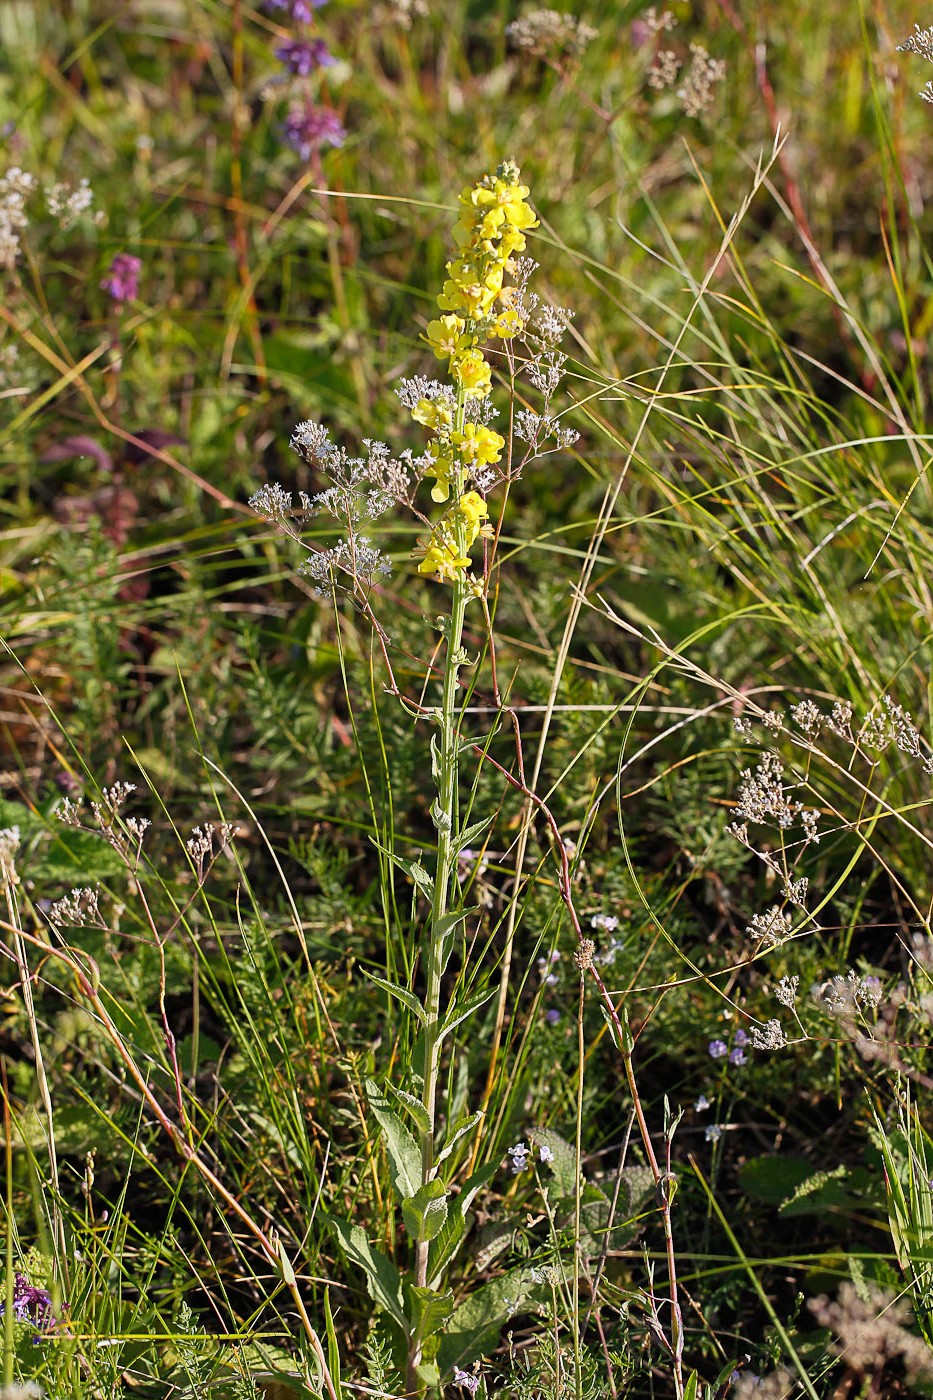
{"points": [[738, 1056], [702, 1104], [713, 1132], [717, 1049], [552, 1016]]}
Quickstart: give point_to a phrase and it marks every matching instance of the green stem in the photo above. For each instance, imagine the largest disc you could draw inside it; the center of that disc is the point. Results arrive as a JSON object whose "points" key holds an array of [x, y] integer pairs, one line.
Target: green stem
{"points": [[447, 768]]}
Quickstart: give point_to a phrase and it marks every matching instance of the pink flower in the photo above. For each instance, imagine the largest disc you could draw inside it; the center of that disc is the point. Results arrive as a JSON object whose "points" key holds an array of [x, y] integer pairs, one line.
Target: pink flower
{"points": [[122, 282]]}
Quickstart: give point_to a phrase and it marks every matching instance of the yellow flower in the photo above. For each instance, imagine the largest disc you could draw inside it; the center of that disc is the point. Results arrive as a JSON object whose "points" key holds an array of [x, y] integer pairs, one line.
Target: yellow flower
{"points": [[512, 241], [472, 287], [508, 323], [471, 372], [441, 559], [508, 198], [435, 414], [445, 335], [478, 445], [473, 511], [442, 469]]}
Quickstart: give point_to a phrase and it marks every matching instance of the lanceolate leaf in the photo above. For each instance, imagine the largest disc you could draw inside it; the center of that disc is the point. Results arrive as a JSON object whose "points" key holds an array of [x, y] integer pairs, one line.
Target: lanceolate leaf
{"points": [[448, 1240], [459, 1130], [466, 837], [382, 1277], [461, 1010], [400, 993], [412, 1106], [412, 868], [404, 1153]]}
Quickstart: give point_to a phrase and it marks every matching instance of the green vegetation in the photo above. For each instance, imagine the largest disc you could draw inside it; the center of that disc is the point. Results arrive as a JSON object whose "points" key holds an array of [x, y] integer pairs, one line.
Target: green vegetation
{"points": [[508, 972]]}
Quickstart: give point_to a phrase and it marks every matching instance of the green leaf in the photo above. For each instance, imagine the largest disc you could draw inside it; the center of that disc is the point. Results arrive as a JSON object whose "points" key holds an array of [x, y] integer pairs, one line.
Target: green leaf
{"points": [[404, 1153], [460, 1130], [333, 1350], [400, 993], [690, 1389], [412, 868], [382, 1277], [425, 1212], [773, 1178], [461, 1010], [563, 1163], [428, 1310], [474, 1327], [448, 1241], [413, 1106], [470, 833]]}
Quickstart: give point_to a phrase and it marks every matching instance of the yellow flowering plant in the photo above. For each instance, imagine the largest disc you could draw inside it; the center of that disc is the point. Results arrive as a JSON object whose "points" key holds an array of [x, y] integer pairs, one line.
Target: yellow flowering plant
{"points": [[486, 308]]}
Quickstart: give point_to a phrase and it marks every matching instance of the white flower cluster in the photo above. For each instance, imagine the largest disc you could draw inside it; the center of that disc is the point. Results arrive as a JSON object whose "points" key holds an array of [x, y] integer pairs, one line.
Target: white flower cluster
{"points": [[80, 909], [65, 203]]}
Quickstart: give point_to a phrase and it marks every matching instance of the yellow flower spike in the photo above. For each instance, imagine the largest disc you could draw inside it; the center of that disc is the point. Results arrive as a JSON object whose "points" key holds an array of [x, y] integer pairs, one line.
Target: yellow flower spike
{"points": [[435, 414], [478, 445], [471, 372], [446, 335]]}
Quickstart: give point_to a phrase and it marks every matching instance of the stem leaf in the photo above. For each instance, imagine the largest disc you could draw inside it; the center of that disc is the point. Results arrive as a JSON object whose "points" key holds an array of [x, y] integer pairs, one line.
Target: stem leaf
{"points": [[428, 1310], [425, 1212], [404, 1153], [459, 1130], [413, 1106], [412, 868], [382, 1277], [459, 1011], [470, 833], [400, 993]]}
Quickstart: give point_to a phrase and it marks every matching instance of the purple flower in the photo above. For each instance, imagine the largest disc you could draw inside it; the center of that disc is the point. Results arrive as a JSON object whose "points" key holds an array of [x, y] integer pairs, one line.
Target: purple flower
{"points": [[122, 282], [740, 1038], [31, 1304], [302, 56], [738, 1056], [717, 1048], [308, 128], [300, 10], [552, 1016], [470, 1383]]}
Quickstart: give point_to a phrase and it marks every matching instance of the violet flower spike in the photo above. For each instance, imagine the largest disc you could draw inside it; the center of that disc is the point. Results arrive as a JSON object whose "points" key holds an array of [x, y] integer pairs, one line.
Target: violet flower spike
{"points": [[122, 281], [302, 56], [309, 128]]}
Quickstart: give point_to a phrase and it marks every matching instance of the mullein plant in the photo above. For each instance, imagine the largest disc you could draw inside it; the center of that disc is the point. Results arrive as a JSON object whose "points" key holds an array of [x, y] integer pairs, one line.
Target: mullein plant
{"points": [[487, 310]]}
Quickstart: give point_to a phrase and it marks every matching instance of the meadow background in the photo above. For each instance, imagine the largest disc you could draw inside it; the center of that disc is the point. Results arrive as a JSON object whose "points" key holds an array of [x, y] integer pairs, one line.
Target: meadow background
{"points": [[727, 573]]}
